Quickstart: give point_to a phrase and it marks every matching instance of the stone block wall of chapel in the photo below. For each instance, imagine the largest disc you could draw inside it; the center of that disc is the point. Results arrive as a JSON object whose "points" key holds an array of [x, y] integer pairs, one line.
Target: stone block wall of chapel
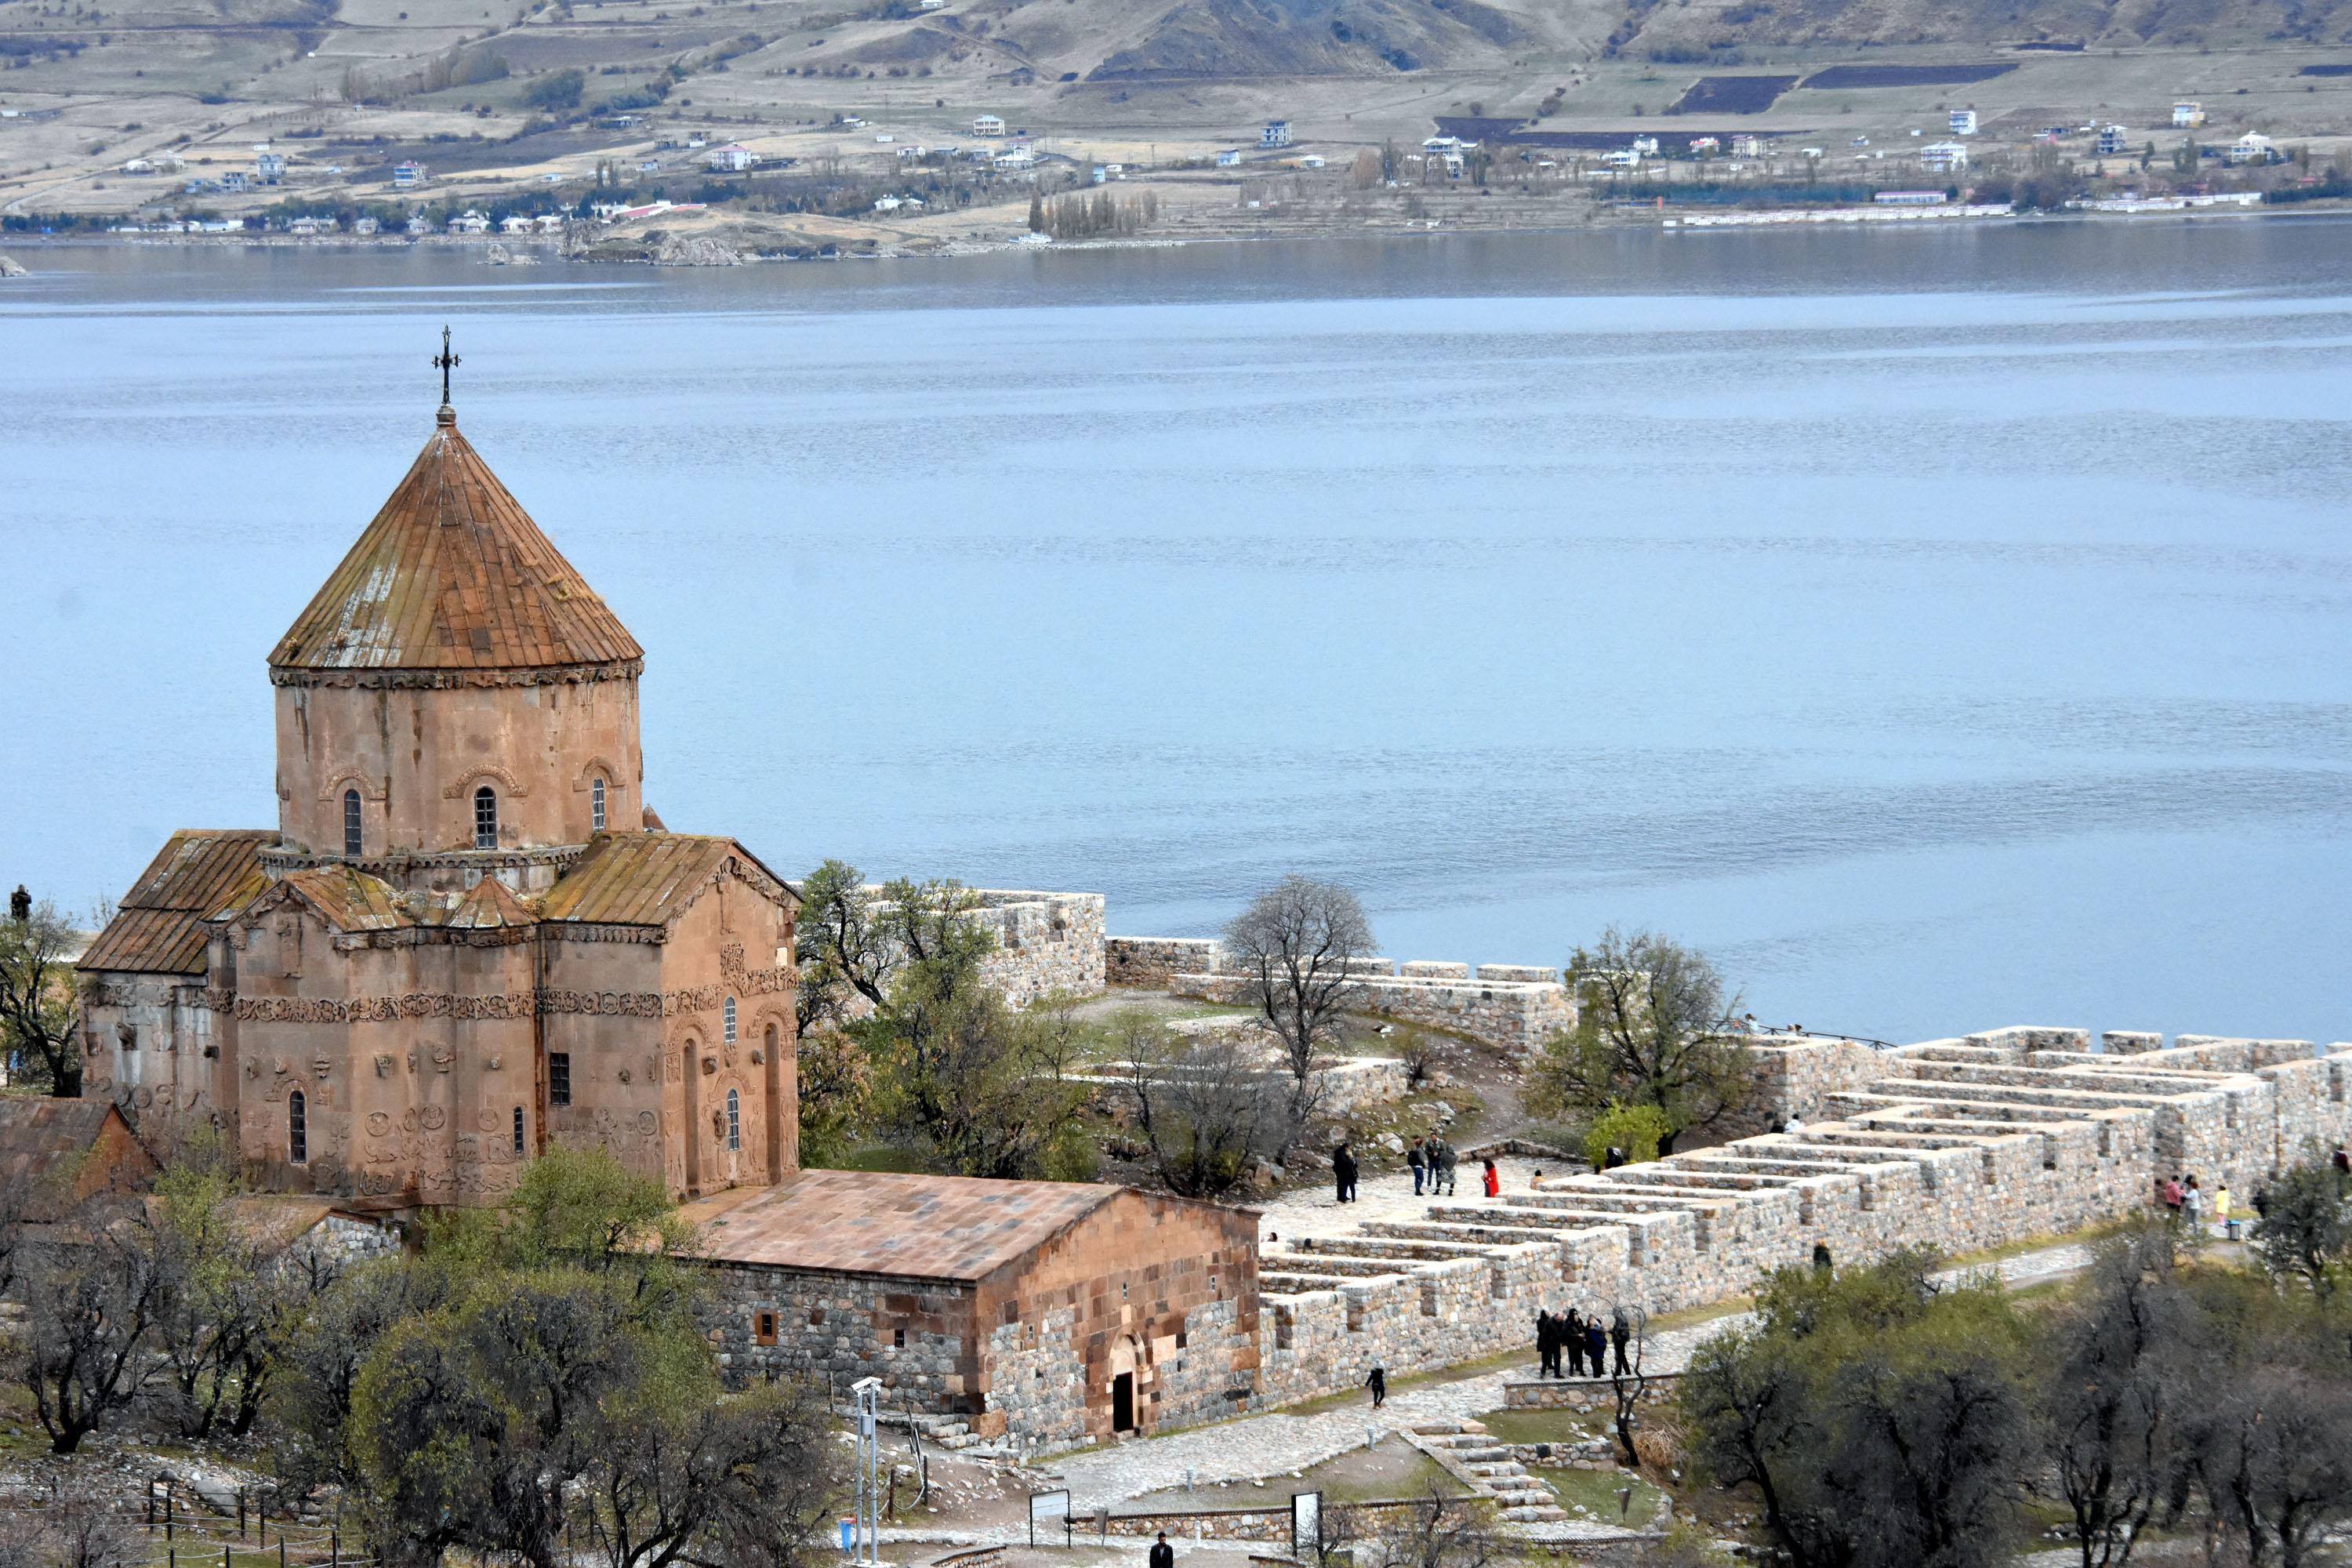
{"points": [[417, 755], [412, 1060]]}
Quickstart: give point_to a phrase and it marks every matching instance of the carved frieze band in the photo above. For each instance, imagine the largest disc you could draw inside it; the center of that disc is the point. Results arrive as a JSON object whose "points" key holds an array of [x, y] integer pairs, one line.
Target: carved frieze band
{"points": [[450, 679], [517, 1004]]}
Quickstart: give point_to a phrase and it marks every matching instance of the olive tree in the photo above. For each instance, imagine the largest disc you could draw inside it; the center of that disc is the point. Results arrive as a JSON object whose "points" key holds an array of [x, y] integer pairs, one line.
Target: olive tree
{"points": [[1656, 1024]]}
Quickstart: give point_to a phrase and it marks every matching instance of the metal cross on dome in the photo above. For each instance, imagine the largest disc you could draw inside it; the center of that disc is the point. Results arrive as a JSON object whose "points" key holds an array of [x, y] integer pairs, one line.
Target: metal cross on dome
{"points": [[444, 362]]}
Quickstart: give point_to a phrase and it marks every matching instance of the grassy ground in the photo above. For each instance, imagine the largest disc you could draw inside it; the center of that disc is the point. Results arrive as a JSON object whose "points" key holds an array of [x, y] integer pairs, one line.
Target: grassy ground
{"points": [[1543, 1425]]}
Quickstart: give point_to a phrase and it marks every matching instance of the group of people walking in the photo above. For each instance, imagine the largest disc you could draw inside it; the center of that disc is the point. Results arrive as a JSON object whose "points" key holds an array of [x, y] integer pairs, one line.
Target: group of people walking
{"points": [[1433, 1164], [1432, 1161], [1585, 1339]]}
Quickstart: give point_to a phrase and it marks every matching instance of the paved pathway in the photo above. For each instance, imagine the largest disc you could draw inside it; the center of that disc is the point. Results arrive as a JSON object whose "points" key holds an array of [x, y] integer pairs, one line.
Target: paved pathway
{"points": [[1388, 1196]]}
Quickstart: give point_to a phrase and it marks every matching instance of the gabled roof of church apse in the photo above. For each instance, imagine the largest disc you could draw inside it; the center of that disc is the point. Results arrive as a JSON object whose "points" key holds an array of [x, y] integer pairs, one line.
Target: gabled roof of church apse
{"points": [[159, 928], [649, 878], [454, 575]]}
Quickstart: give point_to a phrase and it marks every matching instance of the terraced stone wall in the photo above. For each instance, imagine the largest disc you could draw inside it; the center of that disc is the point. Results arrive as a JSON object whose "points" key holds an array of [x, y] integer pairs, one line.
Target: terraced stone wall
{"points": [[1965, 1146]]}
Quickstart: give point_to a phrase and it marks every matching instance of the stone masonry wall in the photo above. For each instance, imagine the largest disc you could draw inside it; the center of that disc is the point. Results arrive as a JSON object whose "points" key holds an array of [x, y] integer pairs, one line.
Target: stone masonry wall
{"points": [[838, 1328], [1964, 1145], [1513, 1007], [1045, 943]]}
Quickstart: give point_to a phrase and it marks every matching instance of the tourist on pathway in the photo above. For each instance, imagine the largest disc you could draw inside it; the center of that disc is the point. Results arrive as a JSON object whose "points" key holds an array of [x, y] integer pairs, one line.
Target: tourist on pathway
{"points": [[1572, 1330], [2172, 1196], [1547, 1344], [2342, 1160], [1620, 1332], [2192, 1203], [1446, 1159], [1821, 1264], [1596, 1343], [1343, 1172], [1379, 1383], [1412, 1158], [1493, 1179], [1162, 1554], [1614, 1158]]}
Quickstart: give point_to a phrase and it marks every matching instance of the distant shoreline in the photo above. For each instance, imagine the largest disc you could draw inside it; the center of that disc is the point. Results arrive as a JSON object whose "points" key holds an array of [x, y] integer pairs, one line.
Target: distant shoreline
{"points": [[529, 253]]}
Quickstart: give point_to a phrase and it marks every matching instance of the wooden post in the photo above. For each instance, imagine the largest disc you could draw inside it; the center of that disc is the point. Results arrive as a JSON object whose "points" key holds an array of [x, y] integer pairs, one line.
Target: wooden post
{"points": [[240, 1514], [334, 1548]]}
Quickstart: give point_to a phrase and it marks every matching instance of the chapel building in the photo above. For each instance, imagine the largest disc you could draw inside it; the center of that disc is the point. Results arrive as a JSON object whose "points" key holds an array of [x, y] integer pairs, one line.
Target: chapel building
{"points": [[468, 936]]}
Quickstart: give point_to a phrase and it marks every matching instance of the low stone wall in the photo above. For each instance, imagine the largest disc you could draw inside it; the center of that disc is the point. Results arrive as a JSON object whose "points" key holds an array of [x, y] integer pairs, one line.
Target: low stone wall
{"points": [[1045, 942], [1513, 1015], [1587, 1395], [1515, 1007], [1153, 963]]}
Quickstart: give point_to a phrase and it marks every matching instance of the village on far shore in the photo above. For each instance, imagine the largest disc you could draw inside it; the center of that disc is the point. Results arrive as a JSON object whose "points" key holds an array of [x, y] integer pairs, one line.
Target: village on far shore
{"points": [[613, 130]]}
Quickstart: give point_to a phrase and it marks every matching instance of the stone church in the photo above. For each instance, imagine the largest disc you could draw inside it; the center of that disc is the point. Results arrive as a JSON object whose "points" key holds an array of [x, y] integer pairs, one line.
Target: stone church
{"points": [[468, 935]]}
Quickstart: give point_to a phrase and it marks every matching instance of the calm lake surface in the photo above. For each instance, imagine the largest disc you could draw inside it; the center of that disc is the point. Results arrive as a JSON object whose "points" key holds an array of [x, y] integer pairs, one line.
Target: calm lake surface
{"points": [[1944, 629]]}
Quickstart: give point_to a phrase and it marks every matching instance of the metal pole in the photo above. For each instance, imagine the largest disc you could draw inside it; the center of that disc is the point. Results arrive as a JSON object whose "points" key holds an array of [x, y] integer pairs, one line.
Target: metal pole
{"points": [[334, 1548]]}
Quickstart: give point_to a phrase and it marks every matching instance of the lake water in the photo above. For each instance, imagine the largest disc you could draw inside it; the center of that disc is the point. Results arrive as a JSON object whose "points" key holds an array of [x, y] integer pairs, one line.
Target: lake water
{"points": [[1943, 629]]}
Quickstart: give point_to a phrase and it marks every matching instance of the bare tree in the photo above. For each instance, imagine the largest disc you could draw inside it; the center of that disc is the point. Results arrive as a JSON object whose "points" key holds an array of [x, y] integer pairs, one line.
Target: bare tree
{"points": [[2106, 1413], [1202, 1106], [1655, 1026], [37, 1014], [1629, 1336], [1298, 942], [1436, 1532], [91, 1297]]}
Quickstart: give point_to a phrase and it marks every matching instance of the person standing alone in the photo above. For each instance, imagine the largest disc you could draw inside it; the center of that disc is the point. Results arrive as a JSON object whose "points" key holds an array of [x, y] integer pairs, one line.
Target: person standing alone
{"points": [[1379, 1383], [1493, 1179], [1162, 1554], [1343, 1173]]}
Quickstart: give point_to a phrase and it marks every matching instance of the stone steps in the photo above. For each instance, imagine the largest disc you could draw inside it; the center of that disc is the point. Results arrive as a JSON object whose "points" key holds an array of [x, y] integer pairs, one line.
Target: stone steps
{"points": [[1465, 1451]]}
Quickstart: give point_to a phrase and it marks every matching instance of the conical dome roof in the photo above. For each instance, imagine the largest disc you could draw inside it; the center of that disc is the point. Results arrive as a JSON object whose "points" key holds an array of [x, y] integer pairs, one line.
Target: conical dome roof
{"points": [[452, 576]]}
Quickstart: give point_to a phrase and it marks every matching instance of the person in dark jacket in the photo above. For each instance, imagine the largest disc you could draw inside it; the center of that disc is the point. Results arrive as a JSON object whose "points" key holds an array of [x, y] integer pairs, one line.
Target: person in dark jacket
{"points": [[1572, 1330], [1162, 1554], [1379, 1383], [1412, 1157], [1596, 1343], [1547, 1345], [1821, 1264], [1614, 1158], [1343, 1173], [1619, 1332]]}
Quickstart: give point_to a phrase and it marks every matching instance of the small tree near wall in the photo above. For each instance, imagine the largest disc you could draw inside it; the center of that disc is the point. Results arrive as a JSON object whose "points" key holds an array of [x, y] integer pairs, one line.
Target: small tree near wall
{"points": [[1655, 1026], [1298, 942]]}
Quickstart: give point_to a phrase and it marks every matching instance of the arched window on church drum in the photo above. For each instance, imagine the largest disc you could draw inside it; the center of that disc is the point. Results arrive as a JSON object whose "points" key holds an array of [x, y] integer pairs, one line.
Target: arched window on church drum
{"points": [[518, 1129], [298, 1128], [486, 818], [596, 804], [734, 1120], [730, 1020], [351, 824]]}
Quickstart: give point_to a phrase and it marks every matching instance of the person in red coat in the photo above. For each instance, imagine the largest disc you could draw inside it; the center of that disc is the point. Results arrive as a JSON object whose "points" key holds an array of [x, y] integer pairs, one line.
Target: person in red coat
{"points": [[1494, 1180]]}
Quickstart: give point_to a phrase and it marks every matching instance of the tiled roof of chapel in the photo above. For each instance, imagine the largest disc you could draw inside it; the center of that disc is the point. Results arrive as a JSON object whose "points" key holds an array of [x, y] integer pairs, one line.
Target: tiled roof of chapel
{"points": [[159, 928], [454, 575], [914, 1227]]}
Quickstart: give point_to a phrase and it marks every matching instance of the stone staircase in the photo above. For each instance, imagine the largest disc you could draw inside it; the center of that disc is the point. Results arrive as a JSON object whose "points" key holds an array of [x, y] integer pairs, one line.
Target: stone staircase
{"points": [[952, 1433], [1465, 1451]]}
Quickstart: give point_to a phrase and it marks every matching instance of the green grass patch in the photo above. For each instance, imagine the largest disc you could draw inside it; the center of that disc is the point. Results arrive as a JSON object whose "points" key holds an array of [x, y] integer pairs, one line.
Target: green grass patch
{"points": [[1543, 1425], [1597, 1491]]}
